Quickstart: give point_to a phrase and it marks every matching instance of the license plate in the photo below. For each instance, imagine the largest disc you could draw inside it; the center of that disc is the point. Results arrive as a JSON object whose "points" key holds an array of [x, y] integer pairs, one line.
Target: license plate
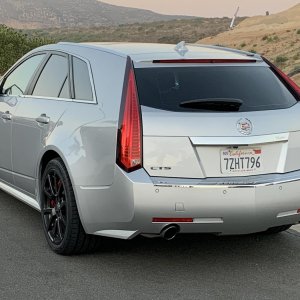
{"points": [[247, 160]]}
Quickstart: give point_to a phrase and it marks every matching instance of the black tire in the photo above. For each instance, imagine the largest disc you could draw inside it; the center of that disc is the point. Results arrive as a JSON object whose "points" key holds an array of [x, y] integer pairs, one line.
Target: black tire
{"points": [[62, 226], [277, 229]]}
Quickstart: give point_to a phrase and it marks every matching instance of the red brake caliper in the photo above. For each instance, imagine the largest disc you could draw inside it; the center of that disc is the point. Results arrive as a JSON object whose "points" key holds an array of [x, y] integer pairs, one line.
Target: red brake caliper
{"points": [[52, 203]]}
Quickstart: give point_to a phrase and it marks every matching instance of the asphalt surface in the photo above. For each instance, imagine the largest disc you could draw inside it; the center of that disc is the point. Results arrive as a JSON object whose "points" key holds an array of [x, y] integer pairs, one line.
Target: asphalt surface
{"points": [[189, 267]]}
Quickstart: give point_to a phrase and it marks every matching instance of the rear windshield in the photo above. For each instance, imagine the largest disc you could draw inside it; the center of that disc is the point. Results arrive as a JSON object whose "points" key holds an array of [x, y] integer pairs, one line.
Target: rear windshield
{"points": [[255, 87]]}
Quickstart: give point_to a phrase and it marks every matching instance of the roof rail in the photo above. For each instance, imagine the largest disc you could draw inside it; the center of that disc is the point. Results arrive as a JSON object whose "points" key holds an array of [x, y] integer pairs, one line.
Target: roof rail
{"points": [[66, 43]]}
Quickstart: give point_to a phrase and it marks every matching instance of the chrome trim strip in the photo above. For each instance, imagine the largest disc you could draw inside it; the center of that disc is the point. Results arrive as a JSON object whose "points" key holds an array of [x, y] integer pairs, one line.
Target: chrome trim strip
{"points": [[93, 188], [227, 182], [19, 195], [240, 140], [288, 214], [57, 99]]}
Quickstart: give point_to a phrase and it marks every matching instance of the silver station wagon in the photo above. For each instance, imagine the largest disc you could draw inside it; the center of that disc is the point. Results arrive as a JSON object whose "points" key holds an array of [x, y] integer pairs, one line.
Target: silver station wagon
{"points": [[120, 140]]}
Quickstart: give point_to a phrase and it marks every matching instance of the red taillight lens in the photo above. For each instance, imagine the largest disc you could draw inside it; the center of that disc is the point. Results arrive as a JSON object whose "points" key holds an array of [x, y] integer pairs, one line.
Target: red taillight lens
{"points": [[172, 220], [130, 144], [289, 81], [286, 79]]}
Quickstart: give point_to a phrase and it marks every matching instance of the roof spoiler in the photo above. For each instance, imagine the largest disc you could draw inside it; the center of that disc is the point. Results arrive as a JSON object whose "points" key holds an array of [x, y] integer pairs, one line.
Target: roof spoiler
{"points": [[204, 61]]}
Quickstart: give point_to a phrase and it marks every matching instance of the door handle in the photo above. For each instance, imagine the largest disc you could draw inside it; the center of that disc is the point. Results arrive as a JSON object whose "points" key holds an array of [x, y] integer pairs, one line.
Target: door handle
{"points": [[43, 119], [6, 116]]}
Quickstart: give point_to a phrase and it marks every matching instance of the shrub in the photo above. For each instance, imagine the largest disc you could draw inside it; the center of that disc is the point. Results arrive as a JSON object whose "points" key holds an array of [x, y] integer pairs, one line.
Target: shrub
{"points": [[270, 39], [280, 59], [14, 44], [298, 31], [242, 45], [296, 56]]}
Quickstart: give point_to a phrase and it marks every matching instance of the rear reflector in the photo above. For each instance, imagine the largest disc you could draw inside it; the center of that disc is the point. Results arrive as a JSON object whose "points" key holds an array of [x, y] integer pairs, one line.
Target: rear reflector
{"points": [[284, 78], [130, 144], [172, 220], [204, 61]]}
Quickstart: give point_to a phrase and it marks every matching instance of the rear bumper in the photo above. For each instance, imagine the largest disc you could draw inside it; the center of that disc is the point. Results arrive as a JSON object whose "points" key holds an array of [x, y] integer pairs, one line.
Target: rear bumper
{"points": [[127, 208]]}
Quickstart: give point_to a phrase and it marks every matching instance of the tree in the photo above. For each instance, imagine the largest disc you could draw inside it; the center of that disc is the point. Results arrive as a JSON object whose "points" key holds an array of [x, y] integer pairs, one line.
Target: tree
{"points": [[14, 44]]}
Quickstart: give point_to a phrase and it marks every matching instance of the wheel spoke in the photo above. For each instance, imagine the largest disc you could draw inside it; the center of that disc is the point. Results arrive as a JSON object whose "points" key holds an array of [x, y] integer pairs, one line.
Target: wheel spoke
{"points": [[59, 188], [47, 211], [50, 186], [47, 192], [51, 223], [62, 203], [59, 229], [63, 221], [55, 187], [54, 229]]}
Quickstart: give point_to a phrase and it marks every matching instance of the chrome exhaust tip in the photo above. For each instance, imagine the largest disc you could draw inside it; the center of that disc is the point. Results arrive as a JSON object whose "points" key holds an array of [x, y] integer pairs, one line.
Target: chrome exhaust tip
{"points": [[169, 232]]}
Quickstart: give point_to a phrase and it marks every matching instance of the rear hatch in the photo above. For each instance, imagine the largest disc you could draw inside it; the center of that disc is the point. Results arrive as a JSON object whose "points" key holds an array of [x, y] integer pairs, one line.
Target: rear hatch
{"points": [[217, 120]]}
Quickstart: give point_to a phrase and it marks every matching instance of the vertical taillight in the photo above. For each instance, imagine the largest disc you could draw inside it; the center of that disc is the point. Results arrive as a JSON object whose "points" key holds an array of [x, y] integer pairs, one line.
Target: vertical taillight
{"points": [[130, 133], [285, 79]]}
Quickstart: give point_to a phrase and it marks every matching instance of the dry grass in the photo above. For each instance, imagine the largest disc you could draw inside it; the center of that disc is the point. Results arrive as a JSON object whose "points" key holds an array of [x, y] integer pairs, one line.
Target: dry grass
{"points": [[172, 31], [277, 37]]}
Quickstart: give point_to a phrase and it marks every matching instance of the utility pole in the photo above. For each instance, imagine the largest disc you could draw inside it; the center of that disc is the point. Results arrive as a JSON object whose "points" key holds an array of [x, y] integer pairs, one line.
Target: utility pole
{"points": [[234, 17]]}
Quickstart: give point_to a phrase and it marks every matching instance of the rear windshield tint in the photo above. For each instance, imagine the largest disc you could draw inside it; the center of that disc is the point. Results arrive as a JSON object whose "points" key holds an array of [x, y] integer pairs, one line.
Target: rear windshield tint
{"points": [[257, 87]]}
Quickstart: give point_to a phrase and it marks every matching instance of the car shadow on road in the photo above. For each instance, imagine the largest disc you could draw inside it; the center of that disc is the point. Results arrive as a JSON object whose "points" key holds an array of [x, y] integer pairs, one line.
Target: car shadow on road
{"points": [[183, 246], [188, 267]]}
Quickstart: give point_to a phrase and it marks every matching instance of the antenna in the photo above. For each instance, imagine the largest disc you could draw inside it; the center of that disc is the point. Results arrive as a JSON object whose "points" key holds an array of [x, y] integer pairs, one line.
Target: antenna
{"points": [[234, 17], [181, 48]]}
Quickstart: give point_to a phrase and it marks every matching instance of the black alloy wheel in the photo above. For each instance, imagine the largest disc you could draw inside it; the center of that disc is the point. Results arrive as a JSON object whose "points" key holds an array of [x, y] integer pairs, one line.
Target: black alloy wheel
{"points": [[61, 222], [54, 209]]}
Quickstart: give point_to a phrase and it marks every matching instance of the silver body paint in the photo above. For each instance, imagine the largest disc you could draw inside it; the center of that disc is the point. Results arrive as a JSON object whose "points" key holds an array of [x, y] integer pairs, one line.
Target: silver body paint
{"points": [[181, 176]]}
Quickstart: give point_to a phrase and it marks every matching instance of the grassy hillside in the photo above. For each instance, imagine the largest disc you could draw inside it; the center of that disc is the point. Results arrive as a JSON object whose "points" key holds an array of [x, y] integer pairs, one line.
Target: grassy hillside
{"points": [[172, 31], [72, 13], [277, 37]]}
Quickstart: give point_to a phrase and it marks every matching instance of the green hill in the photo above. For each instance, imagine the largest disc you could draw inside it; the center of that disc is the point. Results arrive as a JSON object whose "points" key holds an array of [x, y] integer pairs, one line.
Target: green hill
{"points": [[172, 31]]}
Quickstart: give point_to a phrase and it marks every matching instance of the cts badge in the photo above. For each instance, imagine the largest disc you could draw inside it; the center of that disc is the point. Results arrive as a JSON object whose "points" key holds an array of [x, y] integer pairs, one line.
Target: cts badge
{"points": [[161, 168], [244, 126]]}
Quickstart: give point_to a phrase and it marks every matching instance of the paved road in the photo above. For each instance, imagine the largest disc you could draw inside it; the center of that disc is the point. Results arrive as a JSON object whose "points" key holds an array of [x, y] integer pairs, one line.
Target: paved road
{"points": [[201, 267]]}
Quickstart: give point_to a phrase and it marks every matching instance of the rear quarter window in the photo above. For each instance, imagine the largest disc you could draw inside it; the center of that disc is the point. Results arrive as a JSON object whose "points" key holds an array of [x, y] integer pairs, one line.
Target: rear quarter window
{"points": [[82, 83], [257, 87]]}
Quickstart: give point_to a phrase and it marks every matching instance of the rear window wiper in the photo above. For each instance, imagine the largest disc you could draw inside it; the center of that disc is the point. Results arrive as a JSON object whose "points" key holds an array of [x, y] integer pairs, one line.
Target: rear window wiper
{"points": [[216, 104]]}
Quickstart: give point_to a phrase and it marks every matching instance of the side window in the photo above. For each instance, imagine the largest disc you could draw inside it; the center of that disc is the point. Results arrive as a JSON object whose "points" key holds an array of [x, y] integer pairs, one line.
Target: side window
{"points": [[82, 83], [17, 82], [53, 80]]}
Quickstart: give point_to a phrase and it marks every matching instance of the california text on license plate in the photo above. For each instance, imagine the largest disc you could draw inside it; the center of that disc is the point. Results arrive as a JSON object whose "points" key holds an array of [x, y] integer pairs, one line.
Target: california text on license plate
{"points": [[247, 160]]}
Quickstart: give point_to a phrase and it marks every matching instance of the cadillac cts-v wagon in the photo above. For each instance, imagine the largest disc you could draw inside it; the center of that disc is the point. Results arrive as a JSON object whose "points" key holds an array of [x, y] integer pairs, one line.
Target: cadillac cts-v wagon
{"points": [[120, 140]]}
